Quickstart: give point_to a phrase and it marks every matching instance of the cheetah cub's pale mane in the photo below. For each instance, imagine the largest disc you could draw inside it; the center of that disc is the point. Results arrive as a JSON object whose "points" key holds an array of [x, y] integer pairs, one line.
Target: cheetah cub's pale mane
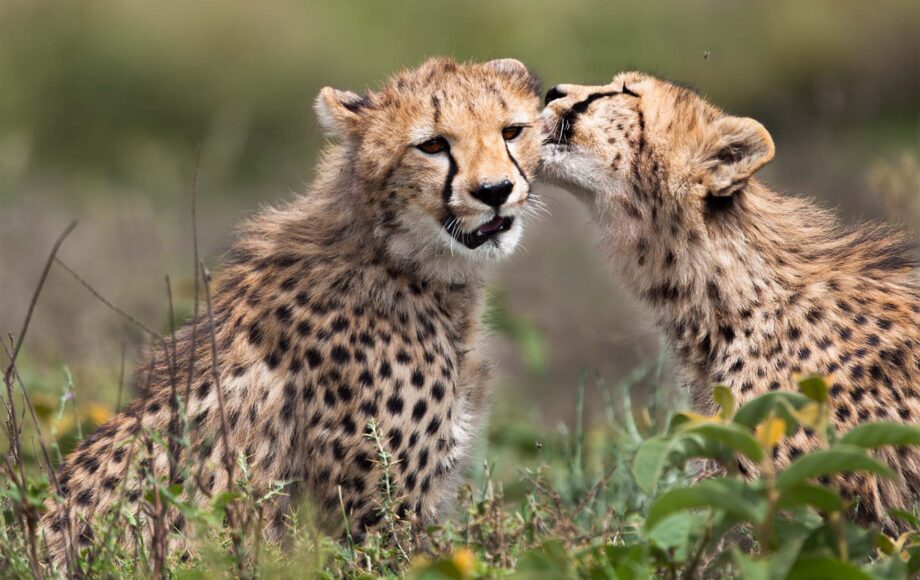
{"points": [[750, 287]]}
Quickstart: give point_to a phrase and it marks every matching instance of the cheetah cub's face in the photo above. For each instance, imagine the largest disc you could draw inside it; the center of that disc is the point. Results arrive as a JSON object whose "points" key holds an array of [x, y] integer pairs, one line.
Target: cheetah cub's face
{"points": [[449, 150], [640, 145]]}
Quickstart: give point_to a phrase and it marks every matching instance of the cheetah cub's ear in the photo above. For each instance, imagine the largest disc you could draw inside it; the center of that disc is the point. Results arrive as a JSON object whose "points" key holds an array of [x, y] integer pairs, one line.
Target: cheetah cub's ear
{"points": [[339, 112], [738, 148], [508, 66], [516, 69]]}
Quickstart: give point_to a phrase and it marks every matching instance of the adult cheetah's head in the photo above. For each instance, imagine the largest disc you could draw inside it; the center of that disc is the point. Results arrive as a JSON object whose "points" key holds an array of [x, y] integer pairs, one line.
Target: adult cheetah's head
{"points": [[448, 150], [639, 144]]}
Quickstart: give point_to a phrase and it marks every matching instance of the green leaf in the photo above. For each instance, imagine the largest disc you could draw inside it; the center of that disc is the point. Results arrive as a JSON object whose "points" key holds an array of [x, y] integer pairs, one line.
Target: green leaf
{"points": [[871, 435], [823, 567], [816, 496], [913, 564], [723, 397], [794, 532], [861, 542], [674, 531], [840, 459], [890, 568], [650, 460], [712, 493], [751, 569], [814, 388], [756, 410], [732, 436], [190, 575], [221, 500], [696, 445], [551, 560], [628, 562]]}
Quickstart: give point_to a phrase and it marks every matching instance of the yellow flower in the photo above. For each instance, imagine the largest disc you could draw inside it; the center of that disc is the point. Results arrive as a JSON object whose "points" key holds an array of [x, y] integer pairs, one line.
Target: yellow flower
{"points": [[694, 419], [419, 562], [810, 415], [98, 414], [770, 432], [464, 560]]}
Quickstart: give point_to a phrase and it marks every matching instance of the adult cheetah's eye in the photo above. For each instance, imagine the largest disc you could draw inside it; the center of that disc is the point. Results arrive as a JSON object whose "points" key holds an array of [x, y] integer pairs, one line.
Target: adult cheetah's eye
{"points": [[509, 133], [432, 146]]}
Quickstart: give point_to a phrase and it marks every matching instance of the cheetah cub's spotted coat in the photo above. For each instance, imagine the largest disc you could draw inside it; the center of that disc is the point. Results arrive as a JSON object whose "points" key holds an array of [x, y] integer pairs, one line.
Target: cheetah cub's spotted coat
{"points": [[749, 286], [360, 300]]}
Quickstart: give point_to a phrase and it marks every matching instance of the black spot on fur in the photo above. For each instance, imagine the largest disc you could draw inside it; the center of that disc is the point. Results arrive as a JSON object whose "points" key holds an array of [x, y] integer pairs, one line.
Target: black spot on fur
{"points": [[396, 438], [340, 354], [85, 497], [395, 404], [433, 425], [419, 410], [203, 389]]}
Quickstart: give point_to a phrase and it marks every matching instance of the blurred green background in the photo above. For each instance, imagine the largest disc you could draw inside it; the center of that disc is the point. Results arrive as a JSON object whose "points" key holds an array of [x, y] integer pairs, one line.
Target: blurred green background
{"points": [[103, 103]]}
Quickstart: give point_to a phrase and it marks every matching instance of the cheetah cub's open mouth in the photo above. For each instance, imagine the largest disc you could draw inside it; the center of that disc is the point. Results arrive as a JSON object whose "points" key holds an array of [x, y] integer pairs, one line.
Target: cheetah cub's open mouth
{"points": [[491, 230]]}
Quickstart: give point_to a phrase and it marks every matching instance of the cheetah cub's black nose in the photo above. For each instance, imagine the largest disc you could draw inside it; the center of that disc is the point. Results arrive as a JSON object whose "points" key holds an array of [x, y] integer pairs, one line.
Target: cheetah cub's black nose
{"points": [[494, 194], [553, 94]]}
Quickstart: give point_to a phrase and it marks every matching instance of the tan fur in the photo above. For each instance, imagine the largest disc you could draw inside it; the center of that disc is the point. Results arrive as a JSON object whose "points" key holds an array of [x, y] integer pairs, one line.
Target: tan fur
{"points": [[750, 287], [350, 303]]}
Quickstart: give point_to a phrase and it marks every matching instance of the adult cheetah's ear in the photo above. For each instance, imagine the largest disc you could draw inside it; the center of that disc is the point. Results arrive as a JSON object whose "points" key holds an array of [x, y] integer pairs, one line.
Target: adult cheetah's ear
{"points": [[739, 148], [339, 112], [514, 68]]}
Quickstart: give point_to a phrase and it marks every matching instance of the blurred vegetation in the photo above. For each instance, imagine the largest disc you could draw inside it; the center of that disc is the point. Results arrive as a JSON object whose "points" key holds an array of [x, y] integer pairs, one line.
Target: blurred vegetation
{"points": [[123, 92], [103, 104], [619, 498]]}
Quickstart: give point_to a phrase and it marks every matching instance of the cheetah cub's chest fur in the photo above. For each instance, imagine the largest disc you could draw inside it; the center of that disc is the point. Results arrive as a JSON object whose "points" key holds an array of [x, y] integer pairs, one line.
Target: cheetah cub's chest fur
{"points": [[749, 287], [357, 303]]}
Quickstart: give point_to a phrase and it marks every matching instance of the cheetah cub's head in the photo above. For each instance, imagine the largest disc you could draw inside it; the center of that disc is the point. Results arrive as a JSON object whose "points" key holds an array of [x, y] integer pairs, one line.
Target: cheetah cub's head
{"points": [[446, 152], [644, 149]]}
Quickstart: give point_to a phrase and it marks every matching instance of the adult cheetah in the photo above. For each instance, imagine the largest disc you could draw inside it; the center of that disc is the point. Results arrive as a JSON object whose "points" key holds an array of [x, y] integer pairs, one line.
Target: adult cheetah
{"points": [[749, 286], [360, 300]]}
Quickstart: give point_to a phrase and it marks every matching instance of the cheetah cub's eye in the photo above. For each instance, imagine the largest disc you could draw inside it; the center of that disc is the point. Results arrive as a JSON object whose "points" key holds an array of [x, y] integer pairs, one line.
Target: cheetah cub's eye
{"points": [[510, 133], [433, 146]]}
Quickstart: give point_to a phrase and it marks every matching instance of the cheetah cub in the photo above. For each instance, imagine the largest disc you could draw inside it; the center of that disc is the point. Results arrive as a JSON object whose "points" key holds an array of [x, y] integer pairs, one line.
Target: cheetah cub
{"points": [[360, 300], [749, 286]]}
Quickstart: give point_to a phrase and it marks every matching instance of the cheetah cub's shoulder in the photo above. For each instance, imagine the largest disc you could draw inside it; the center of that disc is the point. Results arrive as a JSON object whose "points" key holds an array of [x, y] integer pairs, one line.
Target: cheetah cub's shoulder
{"points": [[360, 300], [749, 286]]}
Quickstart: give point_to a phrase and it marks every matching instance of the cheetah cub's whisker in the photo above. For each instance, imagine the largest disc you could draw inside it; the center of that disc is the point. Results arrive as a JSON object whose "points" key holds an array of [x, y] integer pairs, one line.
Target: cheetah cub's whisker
{"points": [[749, 286], [360, 300]]}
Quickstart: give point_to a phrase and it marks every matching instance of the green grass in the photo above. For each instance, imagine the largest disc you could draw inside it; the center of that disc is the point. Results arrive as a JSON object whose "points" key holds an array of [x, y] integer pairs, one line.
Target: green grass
{"points": [[622, 498]]}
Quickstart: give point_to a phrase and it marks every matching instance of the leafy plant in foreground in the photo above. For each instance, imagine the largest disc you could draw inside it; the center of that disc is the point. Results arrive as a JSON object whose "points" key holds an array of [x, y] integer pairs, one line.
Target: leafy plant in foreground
{"points": [[798, 528]]}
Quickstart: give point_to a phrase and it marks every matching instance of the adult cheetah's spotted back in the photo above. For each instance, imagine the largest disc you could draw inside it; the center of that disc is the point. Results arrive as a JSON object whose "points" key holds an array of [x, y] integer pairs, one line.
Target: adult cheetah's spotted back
{"points": [[358, 301]]}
